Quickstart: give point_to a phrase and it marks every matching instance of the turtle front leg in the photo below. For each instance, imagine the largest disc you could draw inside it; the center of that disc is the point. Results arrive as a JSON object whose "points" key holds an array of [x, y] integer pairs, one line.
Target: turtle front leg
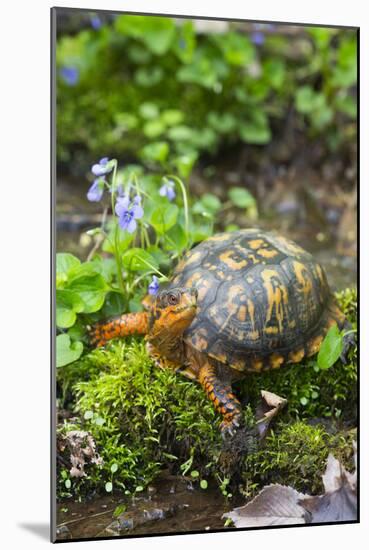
{"points": [[220, 393]]}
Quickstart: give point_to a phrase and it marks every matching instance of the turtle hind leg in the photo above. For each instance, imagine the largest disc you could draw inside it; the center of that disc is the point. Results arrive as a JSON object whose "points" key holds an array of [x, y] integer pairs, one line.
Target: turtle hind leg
{"points": [[220, 394]]}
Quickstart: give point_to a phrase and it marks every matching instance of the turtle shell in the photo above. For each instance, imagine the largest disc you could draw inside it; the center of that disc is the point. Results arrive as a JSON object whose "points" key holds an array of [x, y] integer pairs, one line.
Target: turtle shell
{"points": [[262, 301]]}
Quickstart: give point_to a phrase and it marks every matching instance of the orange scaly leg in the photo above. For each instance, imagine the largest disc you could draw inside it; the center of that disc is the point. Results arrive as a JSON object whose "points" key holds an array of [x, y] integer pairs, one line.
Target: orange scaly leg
{"points": [[222, 398], [118, 327]]}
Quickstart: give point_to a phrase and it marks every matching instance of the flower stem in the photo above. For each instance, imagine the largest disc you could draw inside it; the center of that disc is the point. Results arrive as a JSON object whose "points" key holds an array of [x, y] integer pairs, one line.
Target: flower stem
{"points": [[185, 203], [116, 233]]}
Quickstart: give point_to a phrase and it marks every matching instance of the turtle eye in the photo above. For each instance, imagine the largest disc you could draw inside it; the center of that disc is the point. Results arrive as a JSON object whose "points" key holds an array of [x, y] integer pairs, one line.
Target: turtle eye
{"points": [[172, 299]]}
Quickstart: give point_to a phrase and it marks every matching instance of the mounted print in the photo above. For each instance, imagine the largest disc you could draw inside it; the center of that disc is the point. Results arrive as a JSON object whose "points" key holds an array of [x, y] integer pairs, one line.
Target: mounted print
{"points": [[204, 189]]}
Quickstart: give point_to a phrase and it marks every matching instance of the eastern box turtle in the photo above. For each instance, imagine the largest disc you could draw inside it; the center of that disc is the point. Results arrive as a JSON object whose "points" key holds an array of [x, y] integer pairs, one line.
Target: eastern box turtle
{"points": [[238, 302]]}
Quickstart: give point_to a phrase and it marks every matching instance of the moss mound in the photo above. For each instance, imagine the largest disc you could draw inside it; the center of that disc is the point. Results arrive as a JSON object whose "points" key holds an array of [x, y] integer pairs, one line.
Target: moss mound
{"points": [[144, 419]]}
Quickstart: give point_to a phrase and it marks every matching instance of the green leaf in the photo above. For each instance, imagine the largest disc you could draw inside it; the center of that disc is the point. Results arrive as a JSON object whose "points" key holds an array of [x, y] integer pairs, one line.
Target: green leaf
{"points": [[236, 47], [172, 117], [331, 348], [65, 262], [153, 128], [108, 487], [185, 163], [157, 151], [256, 130], [208, 204], [92, 289], [180, 133], [304, 401], [175, 238], [195, 474], [148, 76], [68, 483], [149, 110], [120, 509], [157, 33], [88, 415], [114, 468], [138, 259], [162, 219], [241, 198], [203, 484], [67, 352], [68, 304], [309, 101]]}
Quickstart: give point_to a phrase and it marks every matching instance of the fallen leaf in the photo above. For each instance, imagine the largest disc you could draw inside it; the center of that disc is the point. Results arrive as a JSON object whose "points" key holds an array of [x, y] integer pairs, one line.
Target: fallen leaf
{"points": [[271, 404], [274, 505]]}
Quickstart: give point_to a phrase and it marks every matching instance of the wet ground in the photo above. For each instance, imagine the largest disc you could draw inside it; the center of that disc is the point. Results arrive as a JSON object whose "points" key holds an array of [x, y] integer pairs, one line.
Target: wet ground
{"points": [[171, 504]]}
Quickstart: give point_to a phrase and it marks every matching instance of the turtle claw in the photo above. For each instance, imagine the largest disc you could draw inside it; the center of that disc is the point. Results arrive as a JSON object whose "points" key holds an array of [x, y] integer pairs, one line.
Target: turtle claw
{"points": [[229, 428]]}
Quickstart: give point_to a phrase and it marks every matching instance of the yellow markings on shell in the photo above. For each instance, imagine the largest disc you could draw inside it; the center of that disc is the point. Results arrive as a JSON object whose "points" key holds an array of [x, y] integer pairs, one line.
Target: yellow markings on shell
{"points": [[302, 275], [277, 297], [242, 313], [254, 335], [249, 280], [271, 330], [256, 243], [314, 345], [238, 365], [193, 258], [292, 323], [267, 252], [194, 277], [276, 360], [202, 290], [251, 310], [226, 258], [296, 356], [220, 237], [257, 365], [290, 246]]}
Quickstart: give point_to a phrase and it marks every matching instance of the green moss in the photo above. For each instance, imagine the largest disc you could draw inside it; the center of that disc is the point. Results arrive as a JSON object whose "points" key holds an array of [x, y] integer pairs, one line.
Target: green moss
{"points": [[144, 419], [296, 455]]}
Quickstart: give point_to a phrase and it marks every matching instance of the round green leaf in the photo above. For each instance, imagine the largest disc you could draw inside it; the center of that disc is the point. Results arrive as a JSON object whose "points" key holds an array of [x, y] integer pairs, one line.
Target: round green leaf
{"points": [[65, 262], [203, 484], [108, 487], [114, 468], [195, 474], [88, 415], [68, 303], [241, 197], [67, 352], [138, 259], [162, 219], [92, 289], [68, 483]]}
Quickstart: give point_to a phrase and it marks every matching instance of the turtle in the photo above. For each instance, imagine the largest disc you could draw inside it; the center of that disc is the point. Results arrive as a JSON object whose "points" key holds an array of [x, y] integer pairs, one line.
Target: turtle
{"points": [[239, 302]]}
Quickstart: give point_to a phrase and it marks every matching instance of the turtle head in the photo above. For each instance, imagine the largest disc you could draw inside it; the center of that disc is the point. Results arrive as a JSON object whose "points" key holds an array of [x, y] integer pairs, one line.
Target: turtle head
{"points": [[172, 311]]}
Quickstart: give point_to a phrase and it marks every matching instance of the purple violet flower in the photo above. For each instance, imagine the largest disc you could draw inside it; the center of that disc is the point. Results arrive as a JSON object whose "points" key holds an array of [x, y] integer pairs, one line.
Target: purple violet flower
{"points": [[96, 191], [154, 285], [96, 22], [128, 212], [257, 38], [167, 190], [70, 75], [102, 168]]}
